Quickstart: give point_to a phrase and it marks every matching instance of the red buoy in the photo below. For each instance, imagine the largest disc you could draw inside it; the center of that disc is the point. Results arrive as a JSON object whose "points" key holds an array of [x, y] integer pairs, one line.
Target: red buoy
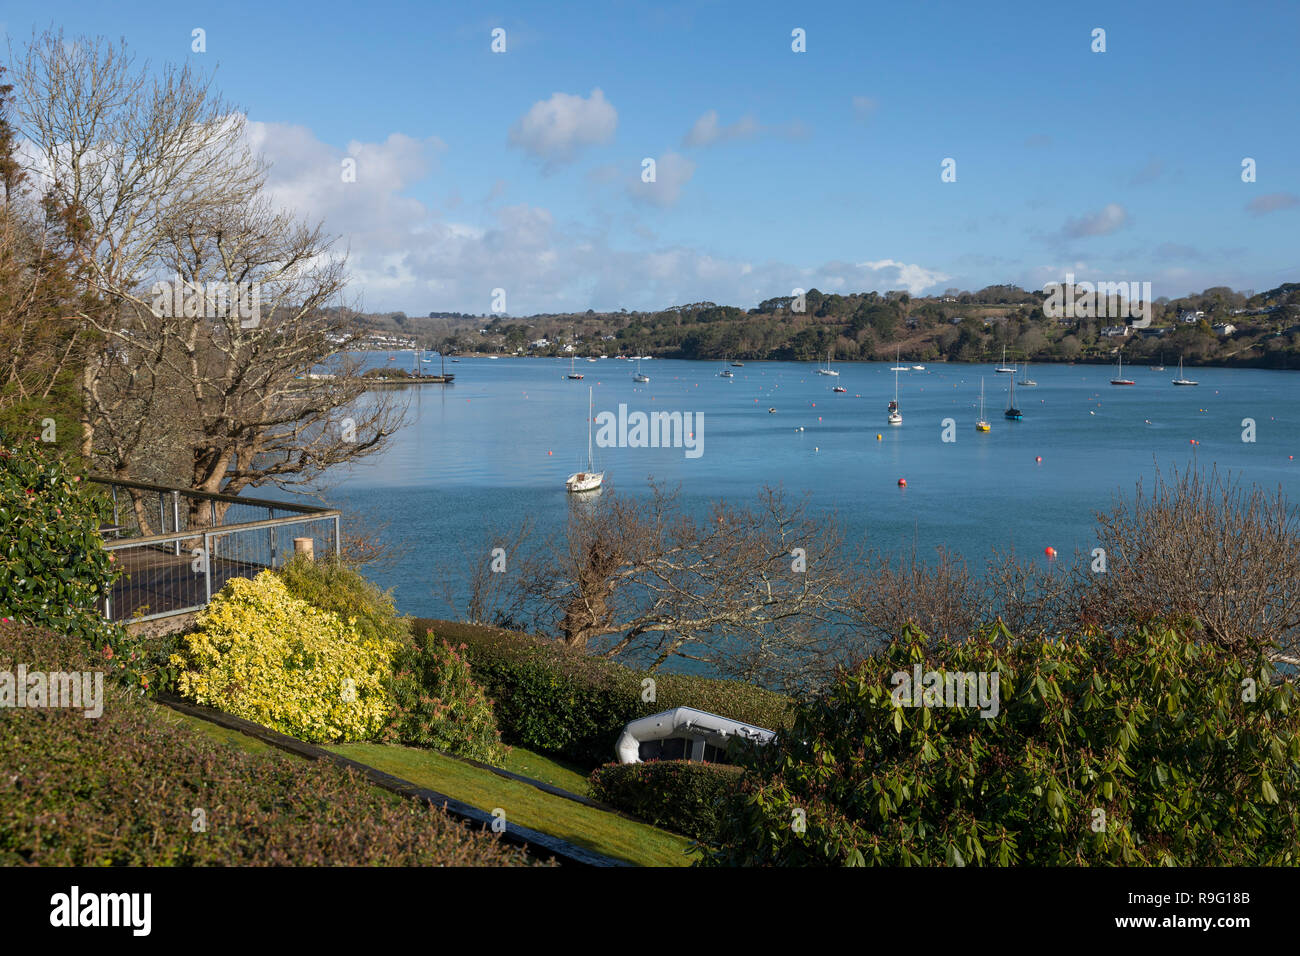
{"points": [[1050, 552], [902, 482]]}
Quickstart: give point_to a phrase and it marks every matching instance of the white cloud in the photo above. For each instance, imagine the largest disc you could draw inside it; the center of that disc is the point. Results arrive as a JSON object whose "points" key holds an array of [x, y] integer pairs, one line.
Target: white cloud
{"points": [[1101, 223], [554, 130], [405, 254]]}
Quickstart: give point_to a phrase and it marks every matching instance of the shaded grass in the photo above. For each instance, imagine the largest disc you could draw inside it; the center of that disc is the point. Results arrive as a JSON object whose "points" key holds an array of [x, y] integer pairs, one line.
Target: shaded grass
{"points": [[559, 773], [214, 732], [584, 826]]}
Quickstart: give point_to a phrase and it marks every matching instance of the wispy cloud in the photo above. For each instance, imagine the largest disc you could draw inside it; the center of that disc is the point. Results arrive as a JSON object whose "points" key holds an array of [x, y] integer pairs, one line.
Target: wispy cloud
{"points": [[1105, 221], [864, 107], [1153, 170], [1272, 202], [672, 172], [707, 130]]}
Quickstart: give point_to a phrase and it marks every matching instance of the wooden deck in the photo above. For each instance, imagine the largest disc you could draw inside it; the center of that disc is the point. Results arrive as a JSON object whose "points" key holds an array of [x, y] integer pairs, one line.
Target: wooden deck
{"points": [[156, 581]]}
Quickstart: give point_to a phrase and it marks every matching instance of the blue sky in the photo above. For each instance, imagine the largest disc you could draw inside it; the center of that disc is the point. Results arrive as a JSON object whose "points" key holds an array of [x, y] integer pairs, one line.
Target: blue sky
{"points": [[522, 170]]}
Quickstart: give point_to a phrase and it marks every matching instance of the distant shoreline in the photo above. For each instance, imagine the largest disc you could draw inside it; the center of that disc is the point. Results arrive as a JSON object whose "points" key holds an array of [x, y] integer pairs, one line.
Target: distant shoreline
{"points": [[1263, 363]]}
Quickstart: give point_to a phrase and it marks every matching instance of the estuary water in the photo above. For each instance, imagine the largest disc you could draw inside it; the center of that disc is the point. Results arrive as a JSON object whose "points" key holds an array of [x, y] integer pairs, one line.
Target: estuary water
{"points": [[495, 447]]}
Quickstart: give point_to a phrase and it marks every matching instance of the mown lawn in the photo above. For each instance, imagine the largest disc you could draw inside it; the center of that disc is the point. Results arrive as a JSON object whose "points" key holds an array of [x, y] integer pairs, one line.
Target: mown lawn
{"points": [[222, 734], [558, 773], [588, 827], [585, 826]]}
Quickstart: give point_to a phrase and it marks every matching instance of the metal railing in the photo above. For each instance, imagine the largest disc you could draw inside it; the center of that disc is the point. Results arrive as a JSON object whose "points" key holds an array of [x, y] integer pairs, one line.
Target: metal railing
{"points": [[177, 547]]}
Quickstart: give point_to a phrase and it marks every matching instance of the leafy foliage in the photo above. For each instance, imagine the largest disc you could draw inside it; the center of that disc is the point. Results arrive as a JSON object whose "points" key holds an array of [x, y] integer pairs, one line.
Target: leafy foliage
{"points": [[555, 701], [122, 790], [679, 795], [262, 654], [331, 585], [438, 704], [53, 568], [1151, 750]]}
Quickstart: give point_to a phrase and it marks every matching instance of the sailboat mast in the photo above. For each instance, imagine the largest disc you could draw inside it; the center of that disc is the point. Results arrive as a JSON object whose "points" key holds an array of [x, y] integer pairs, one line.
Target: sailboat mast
{"points": [[590, 462]]}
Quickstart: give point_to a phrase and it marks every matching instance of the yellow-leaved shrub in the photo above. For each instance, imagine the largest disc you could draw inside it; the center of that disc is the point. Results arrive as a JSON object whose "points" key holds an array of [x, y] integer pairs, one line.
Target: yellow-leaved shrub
{"points": [[264, 655]]}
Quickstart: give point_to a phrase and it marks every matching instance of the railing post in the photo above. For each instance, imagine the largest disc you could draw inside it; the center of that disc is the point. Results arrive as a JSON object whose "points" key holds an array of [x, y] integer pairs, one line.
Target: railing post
{"points": [[162, 512], [176, 518], [115, 521], [338, 545], [207, 568], [270, 536]]}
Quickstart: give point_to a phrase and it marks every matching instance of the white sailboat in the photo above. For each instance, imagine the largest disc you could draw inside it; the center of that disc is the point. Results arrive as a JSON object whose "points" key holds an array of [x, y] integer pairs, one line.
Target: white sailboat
{"points": [[1027, 382], [590, 479], [895, 416], [638, 377], [1119, 378], [573, 373], [1003, 367], [827, 370], [897, 366], [1180, 380], [982, 425]]}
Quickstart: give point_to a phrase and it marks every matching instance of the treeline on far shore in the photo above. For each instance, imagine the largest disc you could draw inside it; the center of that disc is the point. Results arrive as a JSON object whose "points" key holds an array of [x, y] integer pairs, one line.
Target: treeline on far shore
{"points": [[1219, 326]]}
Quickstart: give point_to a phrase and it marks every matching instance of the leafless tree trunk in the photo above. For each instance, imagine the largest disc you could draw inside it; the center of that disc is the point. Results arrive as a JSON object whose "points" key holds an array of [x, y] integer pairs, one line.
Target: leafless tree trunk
{"points": [[742, 589]]}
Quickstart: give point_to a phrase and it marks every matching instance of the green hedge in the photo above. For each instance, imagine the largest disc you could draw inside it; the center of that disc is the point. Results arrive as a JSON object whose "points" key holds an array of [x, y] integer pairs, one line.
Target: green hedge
{"points": [[679, 795], [121, 789], [1150, 750], [554, 701]]}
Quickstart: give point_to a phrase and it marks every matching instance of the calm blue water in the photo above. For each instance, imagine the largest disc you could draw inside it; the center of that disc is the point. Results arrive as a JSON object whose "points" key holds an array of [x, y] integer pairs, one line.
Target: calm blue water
{"points": [[495, 448]]}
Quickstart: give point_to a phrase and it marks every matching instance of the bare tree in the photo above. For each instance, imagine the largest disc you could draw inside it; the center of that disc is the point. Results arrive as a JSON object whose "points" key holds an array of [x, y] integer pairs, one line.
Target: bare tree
{"points": [[221, 366], [742, 589], [944, 599], [1201, 548], [493, 578]]}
